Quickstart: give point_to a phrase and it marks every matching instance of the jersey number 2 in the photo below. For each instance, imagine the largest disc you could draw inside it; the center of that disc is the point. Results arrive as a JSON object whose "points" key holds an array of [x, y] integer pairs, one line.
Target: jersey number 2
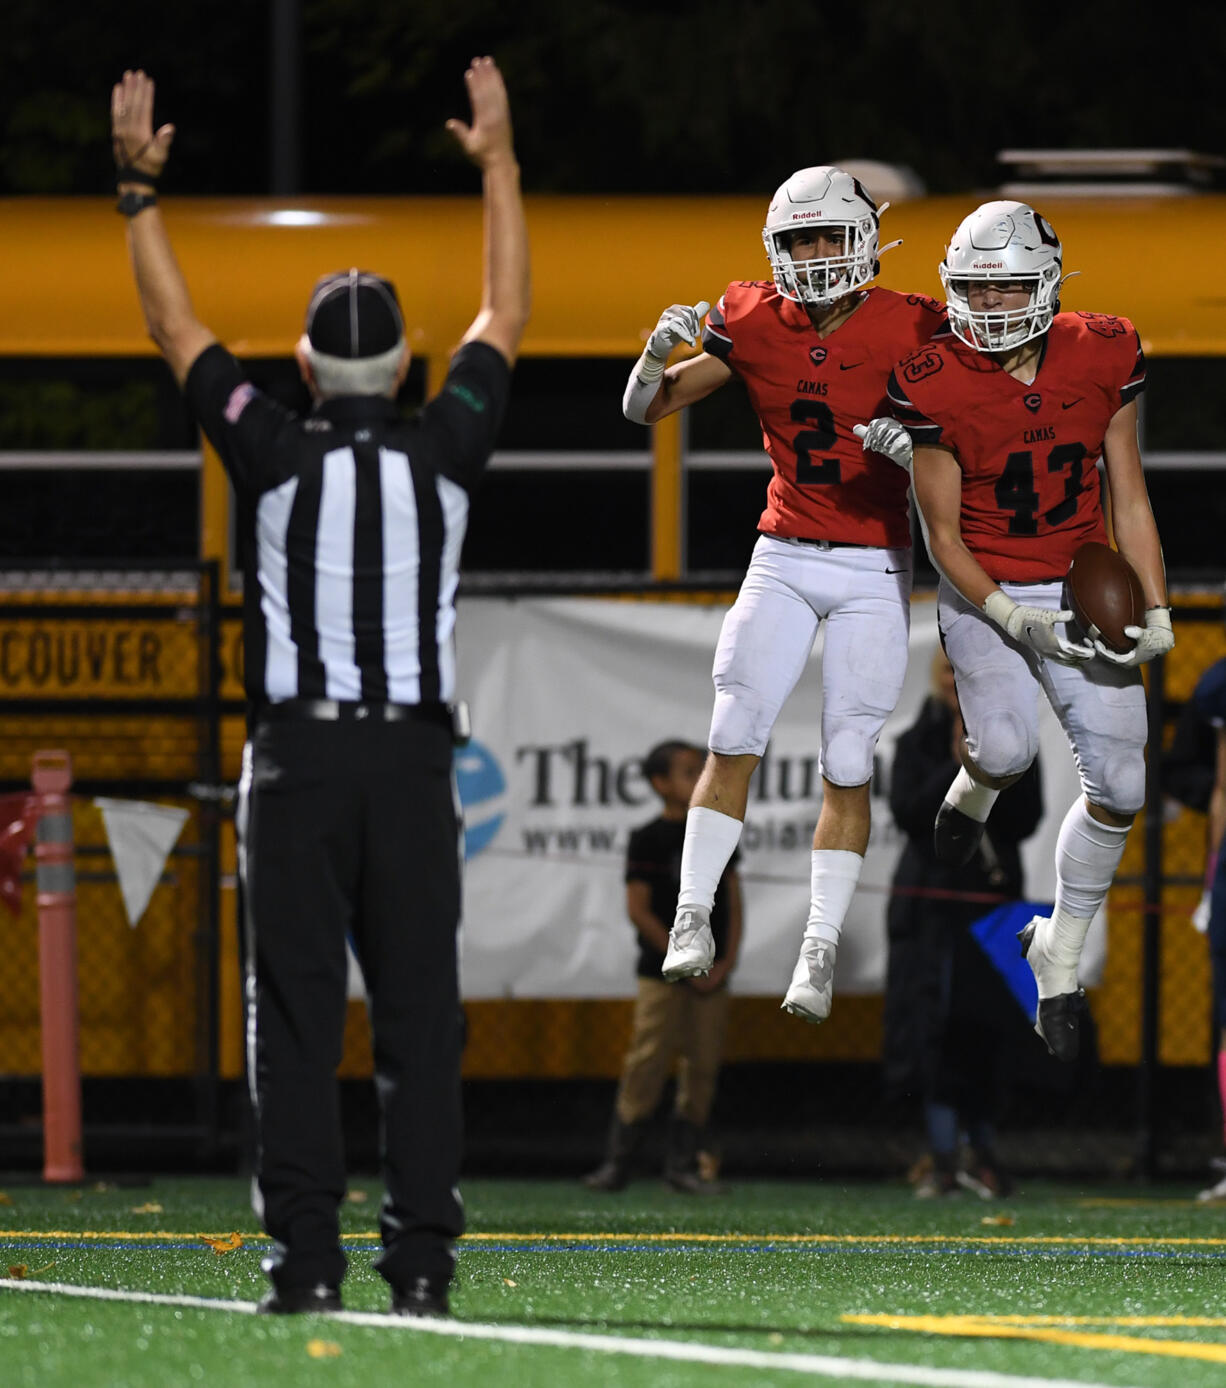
{"points": [[809, 441], [1015, 488]]}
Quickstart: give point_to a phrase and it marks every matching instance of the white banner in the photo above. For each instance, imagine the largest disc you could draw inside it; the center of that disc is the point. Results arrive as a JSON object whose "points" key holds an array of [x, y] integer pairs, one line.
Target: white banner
{"points": [[567, 696]]}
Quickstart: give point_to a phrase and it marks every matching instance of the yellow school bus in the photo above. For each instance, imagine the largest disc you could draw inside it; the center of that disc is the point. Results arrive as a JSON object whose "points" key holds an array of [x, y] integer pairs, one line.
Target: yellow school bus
{"points": [[603, 268]]}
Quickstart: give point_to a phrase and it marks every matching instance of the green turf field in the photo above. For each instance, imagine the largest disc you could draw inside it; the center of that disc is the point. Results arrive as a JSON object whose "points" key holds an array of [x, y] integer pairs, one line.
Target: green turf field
{"points": [[771, 1284]]}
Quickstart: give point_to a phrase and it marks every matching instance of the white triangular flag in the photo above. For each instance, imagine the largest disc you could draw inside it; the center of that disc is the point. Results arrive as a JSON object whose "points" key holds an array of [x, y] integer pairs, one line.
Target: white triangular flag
{"points": [[141, 837]]}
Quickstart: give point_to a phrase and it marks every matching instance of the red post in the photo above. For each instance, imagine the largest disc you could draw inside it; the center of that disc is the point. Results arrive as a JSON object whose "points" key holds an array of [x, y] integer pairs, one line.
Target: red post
{"points": [[57, 965]]}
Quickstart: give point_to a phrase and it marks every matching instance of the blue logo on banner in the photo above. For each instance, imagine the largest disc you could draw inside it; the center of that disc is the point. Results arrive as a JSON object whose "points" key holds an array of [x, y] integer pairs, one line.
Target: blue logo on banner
{"points": [[482, 785], [997, 936]]}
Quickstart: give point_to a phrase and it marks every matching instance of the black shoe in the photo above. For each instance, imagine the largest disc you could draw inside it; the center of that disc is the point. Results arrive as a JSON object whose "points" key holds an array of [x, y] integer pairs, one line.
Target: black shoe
{"points": [[421, 1297], [610, 1176], [955, 836], [1059, 1023], [292, 1301], [691, 1183]]}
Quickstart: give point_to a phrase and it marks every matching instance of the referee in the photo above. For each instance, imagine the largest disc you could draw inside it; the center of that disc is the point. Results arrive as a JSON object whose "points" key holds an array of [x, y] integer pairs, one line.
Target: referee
{"points": [[352, 524]]}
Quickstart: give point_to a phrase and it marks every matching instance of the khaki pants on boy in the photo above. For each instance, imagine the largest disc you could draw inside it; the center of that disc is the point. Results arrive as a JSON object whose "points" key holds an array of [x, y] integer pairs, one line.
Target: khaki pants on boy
{"points": [[673, 1022]]}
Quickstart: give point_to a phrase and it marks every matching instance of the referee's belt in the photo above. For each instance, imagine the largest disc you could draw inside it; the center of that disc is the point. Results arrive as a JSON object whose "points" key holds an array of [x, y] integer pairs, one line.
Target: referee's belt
{"points": [[352, 711]]}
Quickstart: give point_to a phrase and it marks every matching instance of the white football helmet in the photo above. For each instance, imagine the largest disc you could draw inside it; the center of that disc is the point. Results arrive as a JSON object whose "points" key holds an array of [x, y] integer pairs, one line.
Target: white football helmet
{"points": [[1002, 241], [822, 197]]}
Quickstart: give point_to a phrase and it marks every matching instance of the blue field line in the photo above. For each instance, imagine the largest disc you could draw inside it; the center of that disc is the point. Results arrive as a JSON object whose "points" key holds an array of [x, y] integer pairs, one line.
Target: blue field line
{"points": [[825, 1250]]}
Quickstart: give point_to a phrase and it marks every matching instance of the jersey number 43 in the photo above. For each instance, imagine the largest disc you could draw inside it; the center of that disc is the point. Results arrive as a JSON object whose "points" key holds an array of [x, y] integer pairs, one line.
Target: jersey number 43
{"points": [[1016, 491]]}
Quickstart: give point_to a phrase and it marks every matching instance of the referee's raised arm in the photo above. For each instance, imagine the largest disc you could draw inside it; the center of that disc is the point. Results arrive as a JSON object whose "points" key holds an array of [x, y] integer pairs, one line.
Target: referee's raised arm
{"points": [[507, 291], [140, 157]]}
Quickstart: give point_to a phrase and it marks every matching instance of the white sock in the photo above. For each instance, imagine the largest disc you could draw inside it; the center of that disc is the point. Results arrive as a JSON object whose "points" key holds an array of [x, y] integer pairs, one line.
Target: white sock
{"points": [[1087, 855], [710, 840], [832, 884], [974, 800]]}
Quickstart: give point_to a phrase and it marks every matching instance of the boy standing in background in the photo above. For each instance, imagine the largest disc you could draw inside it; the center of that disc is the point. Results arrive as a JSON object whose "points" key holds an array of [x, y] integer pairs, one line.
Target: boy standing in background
{"points": [[684, 1020]]}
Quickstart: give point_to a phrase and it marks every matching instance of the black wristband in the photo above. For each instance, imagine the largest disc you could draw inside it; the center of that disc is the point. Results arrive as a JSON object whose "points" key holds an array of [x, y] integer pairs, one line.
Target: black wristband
{"points": [[127, 174]]}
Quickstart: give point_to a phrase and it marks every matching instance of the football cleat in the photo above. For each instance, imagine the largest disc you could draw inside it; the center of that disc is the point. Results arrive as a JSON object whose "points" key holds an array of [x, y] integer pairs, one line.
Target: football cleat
{"points": [[1058, 1020], [811, 992], [691, 946], [955, 836], [293, 1301]]}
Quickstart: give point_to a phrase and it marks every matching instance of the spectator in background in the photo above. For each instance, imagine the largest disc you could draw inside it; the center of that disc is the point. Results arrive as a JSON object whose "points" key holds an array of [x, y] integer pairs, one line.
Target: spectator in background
{"points": [[671, 1021], [1209, 699], [948, 1012]]}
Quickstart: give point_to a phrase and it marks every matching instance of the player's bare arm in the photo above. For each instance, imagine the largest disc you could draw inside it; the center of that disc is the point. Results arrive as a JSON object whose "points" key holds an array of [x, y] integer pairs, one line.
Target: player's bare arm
{"points": [[686, 383], [1136, 537], [652, 391], [507, 290], [938, 491], [1136, 534], [140, 156]]}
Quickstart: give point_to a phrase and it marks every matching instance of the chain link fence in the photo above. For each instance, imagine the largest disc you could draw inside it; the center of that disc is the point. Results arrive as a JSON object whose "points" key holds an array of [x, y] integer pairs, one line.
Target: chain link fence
{"points": [[137, 677]]}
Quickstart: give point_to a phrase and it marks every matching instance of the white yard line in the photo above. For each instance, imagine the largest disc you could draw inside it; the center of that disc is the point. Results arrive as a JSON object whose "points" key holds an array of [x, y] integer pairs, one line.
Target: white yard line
{"points": [[819, 1365]]}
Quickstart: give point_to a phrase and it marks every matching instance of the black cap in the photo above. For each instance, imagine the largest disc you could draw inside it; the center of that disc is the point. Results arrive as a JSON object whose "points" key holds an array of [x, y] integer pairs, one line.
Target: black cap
{"points": [[354, 314]]}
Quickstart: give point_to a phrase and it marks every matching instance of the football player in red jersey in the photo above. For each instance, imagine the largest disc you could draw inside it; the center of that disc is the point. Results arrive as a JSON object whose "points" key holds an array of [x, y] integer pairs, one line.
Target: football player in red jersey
{"points": [[1010, 417], [813, 348]]}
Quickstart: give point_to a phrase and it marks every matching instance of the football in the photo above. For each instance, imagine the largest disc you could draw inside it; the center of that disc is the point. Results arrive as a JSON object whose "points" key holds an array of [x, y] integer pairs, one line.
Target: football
{"points": [[1105, 595]]}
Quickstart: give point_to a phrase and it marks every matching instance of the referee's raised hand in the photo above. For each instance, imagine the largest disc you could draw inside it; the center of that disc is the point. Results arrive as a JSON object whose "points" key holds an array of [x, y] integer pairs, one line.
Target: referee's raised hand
{"points": [[488, 138], [137, 149]]}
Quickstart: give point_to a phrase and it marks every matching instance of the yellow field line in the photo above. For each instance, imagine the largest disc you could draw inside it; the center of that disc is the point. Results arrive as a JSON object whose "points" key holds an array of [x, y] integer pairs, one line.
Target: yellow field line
{"points": [[901, 1240], [1149, 1322], [987, 1327]]}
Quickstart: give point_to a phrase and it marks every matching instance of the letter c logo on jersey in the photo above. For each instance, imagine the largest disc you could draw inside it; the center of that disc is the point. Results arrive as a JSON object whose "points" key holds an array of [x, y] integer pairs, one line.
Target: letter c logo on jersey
{"points": [[482, 789], [1033, 401], [817, 355], [920, 365]]}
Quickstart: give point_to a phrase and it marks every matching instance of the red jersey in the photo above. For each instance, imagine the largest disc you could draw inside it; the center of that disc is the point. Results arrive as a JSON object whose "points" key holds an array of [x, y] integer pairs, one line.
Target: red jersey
{"points": [[1028, 453], [808, 392]]}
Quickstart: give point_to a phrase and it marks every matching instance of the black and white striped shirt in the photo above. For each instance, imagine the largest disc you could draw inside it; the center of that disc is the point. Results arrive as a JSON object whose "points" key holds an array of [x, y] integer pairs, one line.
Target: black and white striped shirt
{"points": [[351, 520]]}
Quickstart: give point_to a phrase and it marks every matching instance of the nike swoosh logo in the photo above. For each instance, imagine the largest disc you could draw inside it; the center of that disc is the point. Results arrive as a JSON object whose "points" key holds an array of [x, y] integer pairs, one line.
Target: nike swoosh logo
{"points": [[849, 365], [1068, 404], [897, 571]]}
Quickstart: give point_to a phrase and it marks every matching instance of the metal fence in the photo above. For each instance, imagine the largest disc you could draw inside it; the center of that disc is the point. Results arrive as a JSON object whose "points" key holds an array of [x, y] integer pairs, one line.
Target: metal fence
{"points": [[136, 674]]}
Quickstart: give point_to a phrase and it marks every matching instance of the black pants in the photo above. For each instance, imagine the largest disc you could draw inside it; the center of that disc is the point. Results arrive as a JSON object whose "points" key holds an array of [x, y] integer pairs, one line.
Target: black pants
{"points": [[351, 829]]}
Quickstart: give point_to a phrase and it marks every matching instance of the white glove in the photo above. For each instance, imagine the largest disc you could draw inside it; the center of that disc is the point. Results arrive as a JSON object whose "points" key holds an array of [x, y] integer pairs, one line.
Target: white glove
{"points": [[1154, 638], [678, 323], [887, 437], [1036, 627], [1200, 917]]}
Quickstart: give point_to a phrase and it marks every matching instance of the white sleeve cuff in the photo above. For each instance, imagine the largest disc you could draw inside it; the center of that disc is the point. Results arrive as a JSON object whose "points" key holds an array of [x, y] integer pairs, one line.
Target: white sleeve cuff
{"points": [[1000, 607], [642, 387]]}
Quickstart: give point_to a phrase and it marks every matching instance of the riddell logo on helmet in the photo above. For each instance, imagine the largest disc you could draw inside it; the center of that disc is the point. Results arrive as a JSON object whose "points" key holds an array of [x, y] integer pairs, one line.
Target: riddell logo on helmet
{"points": [[988, 265], [804, 216]]}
